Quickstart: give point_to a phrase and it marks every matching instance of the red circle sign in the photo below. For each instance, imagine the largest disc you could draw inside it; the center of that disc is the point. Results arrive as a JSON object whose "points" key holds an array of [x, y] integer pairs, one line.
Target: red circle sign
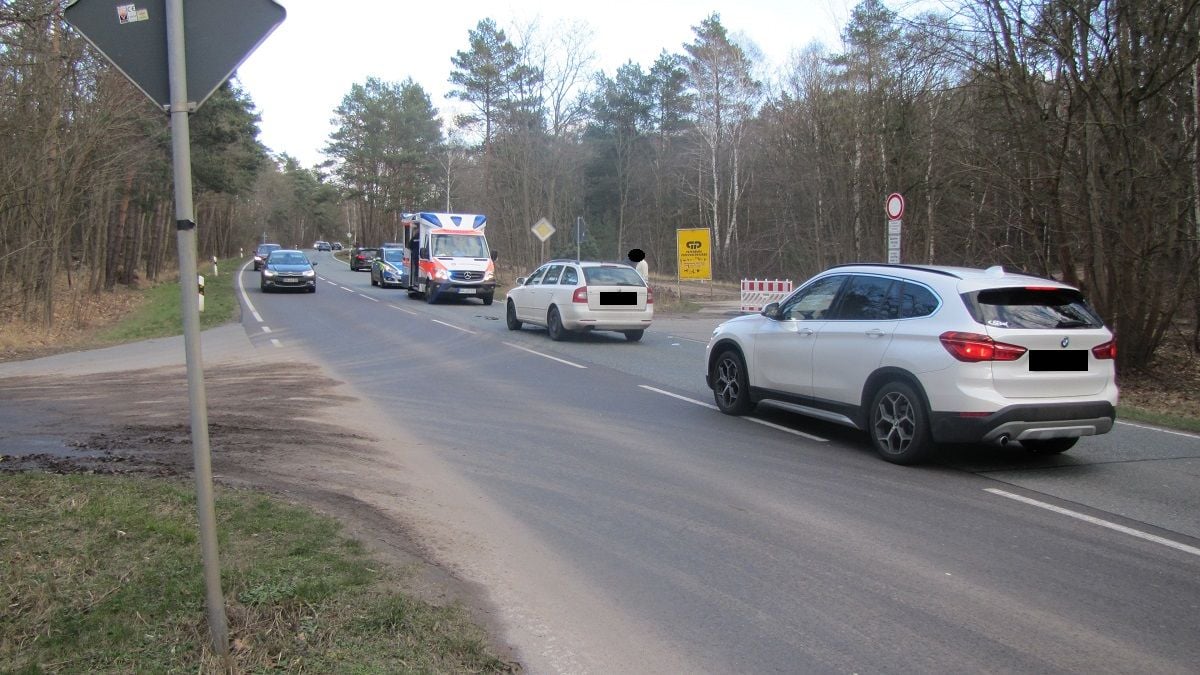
{"points": [[895, 206]]}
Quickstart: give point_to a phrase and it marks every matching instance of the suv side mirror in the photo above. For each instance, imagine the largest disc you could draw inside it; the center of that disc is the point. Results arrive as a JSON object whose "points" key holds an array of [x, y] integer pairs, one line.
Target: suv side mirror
{"points": [[771, 311]]}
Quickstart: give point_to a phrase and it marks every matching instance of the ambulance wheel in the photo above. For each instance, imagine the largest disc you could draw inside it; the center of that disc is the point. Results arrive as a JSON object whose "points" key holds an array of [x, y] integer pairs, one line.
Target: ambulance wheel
{"points": [[487, 299], [429, 296]]}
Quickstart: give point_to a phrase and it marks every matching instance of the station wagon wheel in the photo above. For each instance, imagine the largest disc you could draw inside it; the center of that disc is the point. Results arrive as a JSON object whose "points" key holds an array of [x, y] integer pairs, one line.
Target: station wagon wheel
{"points": [[554, 325], [510, 316], [1049, 446], [634, 335], [730, 384], [899, 425]]}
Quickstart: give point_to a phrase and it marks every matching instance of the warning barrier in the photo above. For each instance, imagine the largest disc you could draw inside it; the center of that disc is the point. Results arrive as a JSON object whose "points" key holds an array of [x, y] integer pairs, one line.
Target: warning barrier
{"points": [[758, 293]]}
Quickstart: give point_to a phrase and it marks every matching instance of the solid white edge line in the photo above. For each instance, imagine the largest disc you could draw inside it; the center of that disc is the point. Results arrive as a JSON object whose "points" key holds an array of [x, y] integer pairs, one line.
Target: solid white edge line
{"points": [[748, 419], [1160, 429], [1097, 521], [544, 356], [450, 325], [406, 311], [246, 298]]}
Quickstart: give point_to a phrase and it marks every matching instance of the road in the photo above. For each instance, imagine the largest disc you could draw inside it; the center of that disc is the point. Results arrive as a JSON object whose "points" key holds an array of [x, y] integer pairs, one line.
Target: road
{"points": [[645, 532]]}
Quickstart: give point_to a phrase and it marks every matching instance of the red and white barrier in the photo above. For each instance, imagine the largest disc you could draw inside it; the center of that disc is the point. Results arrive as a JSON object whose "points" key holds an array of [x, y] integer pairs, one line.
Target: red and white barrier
{"points": [[758, 293]]}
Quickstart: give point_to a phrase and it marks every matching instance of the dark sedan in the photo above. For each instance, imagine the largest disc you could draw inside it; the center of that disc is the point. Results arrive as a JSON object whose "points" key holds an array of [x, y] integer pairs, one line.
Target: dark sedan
{"points": [[261, 253], [360, 258], [288, 269]]}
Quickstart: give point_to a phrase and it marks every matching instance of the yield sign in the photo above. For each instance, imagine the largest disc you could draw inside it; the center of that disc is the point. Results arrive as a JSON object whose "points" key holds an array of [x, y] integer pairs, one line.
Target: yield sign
{"points": [[220, 34]]}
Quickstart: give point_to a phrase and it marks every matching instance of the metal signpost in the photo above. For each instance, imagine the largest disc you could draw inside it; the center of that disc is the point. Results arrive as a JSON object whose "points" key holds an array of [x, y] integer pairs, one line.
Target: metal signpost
{"points": [[894, 207], [145, 41], [543, 230]]}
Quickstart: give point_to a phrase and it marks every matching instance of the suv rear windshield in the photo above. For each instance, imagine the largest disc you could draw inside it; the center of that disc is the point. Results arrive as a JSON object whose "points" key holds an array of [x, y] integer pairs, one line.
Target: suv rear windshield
{"points": [[1023, 307]]}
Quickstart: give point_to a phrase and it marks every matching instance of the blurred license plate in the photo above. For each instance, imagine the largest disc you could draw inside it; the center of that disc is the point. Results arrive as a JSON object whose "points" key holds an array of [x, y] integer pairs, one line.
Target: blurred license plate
{"points": [[291, 280], [467, 291], [617, 298], [1058, 359]]}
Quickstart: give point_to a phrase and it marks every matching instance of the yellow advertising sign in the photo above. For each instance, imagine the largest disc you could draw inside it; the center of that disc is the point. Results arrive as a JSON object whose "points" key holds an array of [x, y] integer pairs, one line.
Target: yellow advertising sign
{"points": [[695, 253]]}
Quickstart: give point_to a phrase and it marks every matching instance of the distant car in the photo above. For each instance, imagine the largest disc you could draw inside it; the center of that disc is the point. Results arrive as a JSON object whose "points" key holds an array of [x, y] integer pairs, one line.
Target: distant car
{"points": [[337, 245], [288, 269], [568, 296], [360, 258], [261, 253], [387, 269], [322, 246], [920, 355]]}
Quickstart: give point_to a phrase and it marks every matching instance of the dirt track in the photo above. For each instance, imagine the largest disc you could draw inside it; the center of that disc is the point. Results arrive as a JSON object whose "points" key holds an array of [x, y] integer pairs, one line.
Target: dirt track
{"points": [[280, 427]]}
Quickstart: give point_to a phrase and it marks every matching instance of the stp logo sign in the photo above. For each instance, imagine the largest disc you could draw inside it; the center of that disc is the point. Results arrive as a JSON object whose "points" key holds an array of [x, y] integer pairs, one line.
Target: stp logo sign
{"points": [[693, 245], [894, 206]]}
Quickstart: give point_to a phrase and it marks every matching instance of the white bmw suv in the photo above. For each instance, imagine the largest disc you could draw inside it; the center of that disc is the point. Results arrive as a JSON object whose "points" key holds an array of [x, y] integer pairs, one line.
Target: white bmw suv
{"points": [[921, 355]]}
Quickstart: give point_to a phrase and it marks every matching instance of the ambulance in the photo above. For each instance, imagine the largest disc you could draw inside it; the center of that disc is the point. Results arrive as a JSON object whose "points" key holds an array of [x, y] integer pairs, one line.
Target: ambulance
{"points": [[447, 256]]}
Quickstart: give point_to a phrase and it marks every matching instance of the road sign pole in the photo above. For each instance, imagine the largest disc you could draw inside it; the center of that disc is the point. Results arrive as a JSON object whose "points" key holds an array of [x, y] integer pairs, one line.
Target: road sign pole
{"points": [[181, 158]]}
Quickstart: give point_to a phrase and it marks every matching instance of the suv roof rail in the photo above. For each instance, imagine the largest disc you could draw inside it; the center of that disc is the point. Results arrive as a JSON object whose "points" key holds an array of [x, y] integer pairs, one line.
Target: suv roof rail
{"points": [[921, 268]]}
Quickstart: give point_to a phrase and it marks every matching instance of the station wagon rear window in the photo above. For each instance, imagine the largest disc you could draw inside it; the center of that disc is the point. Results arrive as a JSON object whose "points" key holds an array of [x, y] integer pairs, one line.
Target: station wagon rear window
{"points": [[1034, 308], [612, 276]]}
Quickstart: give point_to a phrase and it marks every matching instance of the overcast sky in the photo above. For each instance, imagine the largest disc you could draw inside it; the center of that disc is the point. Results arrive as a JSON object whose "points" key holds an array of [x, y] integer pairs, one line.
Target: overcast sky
{"points": [[304, 69]]}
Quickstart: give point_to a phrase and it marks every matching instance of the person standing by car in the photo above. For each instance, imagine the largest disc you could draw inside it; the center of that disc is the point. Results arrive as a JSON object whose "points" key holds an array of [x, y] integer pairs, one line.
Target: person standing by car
{"points": [[638, 257]]}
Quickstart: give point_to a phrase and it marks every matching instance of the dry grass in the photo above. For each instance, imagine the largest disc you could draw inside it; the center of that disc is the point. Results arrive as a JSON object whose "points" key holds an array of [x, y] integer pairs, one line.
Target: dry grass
{"points": [[78, 315]]}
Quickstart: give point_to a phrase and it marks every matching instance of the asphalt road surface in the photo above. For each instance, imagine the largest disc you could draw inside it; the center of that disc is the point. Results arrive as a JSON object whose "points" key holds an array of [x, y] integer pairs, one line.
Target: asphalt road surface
{"points": [[776, 545]]}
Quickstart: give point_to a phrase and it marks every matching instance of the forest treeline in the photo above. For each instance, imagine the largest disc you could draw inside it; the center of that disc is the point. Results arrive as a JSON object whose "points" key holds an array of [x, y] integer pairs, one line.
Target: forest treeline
{"points": [[1057, 137]]}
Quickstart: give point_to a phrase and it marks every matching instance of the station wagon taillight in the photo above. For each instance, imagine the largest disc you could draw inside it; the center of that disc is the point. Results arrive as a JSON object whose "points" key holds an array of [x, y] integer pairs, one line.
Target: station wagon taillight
{"points": [[580, 295], [1108, 350], [973, 347], [649, 296]]}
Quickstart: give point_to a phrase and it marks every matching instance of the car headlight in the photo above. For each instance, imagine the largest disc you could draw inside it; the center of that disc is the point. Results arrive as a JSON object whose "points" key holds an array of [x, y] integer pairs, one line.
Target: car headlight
{"points": [[441, 274], [268, 272], [489, 275], [310, 273]]}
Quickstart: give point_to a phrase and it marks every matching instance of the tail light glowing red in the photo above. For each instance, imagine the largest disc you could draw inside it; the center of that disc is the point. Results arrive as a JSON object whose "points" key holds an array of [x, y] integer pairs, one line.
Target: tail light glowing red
{"points": [[1108, 350], [973, 347], [580, 295], [649, 296]]}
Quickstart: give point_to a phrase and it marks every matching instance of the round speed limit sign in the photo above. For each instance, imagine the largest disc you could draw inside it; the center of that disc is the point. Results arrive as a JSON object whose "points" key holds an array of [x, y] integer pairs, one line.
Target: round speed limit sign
{"points": [[895, 206]]}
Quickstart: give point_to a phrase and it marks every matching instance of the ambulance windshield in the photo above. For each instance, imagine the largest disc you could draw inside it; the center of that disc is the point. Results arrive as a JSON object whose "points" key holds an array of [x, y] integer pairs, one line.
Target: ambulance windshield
{"points": [[459, 246]]}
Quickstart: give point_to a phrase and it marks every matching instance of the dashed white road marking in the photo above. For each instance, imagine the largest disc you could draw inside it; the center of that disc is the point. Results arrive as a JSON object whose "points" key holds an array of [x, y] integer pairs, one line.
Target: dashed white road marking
{"points": [[544, 356], [748, 419], [453, 326], [369, 297], [406, 311], [276, 342], [266, 329], [1097, 521]]}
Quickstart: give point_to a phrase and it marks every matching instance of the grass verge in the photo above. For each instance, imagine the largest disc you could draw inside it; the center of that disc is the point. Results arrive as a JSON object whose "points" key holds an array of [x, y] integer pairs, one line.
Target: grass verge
{"points": [[161, 313], [1162, 419], [102, 574]]}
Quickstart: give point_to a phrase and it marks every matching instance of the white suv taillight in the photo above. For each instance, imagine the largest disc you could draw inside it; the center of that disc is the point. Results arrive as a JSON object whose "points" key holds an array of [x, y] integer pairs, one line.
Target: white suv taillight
{"points": [[1108, 350], [973, 347], [580, 295], [649, 296]]}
